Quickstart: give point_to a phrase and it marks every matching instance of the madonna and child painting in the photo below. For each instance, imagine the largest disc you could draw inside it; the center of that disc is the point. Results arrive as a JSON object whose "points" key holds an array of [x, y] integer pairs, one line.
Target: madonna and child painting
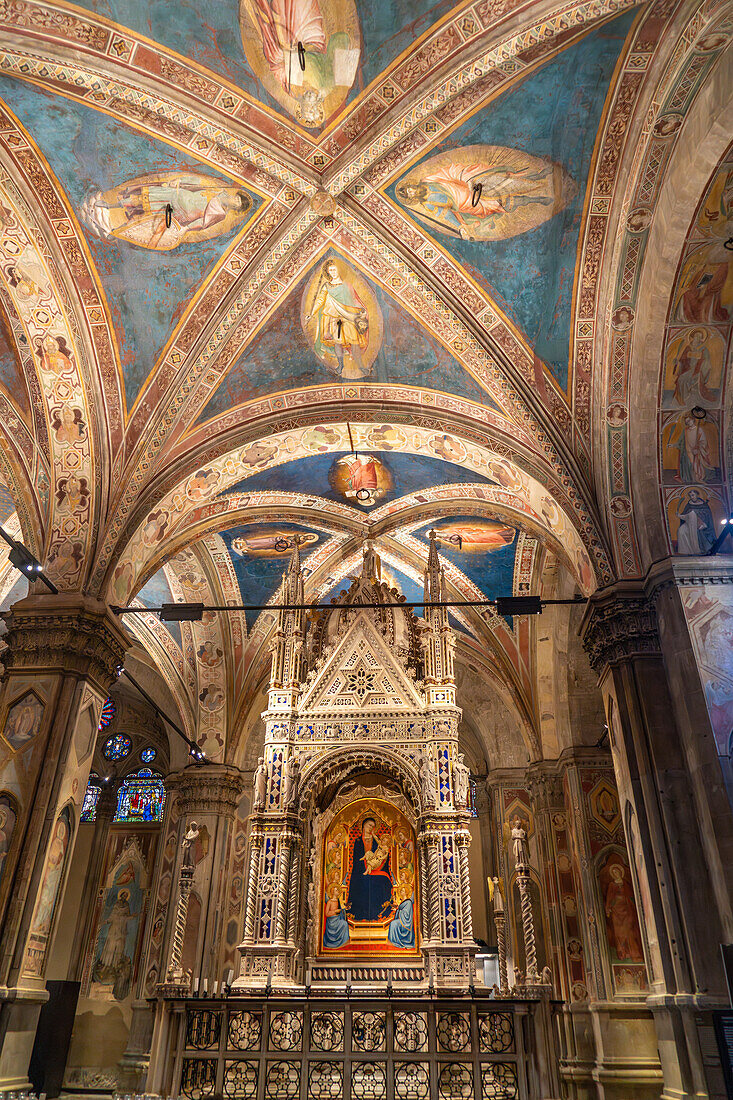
{"points": [[369, 884]]}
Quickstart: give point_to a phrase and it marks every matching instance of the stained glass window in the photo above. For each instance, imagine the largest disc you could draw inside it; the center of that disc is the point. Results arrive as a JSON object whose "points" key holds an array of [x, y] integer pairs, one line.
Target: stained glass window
{"points": [[141, 797], [148, 754], [117, 747], [108, 713], [89, 806], [472, 798]]}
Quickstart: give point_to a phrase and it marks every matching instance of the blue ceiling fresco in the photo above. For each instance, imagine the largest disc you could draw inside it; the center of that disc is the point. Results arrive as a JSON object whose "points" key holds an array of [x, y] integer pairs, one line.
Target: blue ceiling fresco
{"points": [[483, 549], [327, 475], [210, 33], [284, 354], [260, 553], [553, 114], [147, 288]]}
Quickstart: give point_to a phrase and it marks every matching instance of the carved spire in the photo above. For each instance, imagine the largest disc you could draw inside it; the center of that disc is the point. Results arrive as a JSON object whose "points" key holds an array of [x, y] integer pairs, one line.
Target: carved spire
{"points": [[439, 640], [434, 573], [288, 643]]}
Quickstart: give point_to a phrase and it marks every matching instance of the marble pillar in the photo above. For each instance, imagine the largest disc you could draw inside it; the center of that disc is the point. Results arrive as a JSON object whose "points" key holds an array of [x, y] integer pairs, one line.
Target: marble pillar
{"points": [[675, 812], [61, 661]]}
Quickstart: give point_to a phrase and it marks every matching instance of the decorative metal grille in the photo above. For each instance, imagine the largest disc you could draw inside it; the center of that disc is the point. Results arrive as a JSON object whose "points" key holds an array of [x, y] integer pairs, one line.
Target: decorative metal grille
{"points": [[454, 1032], [245, 1031], [282, 1081], [455, 1082], [496, 1033], [368, 1081], [410, 1032], [327, 1031], [286, 1031], [198, 1078], [203, 1028], [368, 1031], [499, 1081], [411, 1080], [240, 1080], [325, 1081]]}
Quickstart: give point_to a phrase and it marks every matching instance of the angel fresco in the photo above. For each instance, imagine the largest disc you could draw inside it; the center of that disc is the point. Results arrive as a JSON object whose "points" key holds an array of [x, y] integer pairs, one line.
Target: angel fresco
{"points": [[305, 52], [485, 192], [162, 210]]}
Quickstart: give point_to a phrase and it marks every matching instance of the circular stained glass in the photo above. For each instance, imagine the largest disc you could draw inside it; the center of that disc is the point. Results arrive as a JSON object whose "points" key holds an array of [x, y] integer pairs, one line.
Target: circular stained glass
{"points": [[117, 747], [148, 754], [108, 713]]}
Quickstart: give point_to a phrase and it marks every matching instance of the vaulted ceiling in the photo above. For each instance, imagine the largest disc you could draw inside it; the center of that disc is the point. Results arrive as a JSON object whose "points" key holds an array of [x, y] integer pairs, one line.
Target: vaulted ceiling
{"points": [[334, 270]]}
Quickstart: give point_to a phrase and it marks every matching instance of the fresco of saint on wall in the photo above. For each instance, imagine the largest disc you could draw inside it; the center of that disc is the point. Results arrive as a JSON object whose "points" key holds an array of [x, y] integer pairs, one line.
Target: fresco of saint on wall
{"points": [[694, 366], [8, 821], [485, 192], [622, 924], [369, 884], [162, 210], [23, 721], [341, 317], [47, 903], [305, 52]]}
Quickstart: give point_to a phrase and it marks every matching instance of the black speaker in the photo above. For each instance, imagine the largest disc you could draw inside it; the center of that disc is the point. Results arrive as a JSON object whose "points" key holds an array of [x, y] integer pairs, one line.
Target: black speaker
{"points": [[53, 1036]]}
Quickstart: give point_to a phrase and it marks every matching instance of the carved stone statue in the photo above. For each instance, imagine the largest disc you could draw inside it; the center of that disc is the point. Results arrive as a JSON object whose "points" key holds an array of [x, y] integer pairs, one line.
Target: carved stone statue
{"points": [[518, 976], [292, 779], [427, 782], [260, 784], [496, 895], [187, 844], [519, 843], [461, 776], [546, 976]]}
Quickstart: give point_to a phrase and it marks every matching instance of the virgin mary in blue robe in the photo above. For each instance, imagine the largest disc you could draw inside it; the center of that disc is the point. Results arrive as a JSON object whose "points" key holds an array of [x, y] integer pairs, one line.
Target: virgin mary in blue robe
{"points": [[370, 892]]}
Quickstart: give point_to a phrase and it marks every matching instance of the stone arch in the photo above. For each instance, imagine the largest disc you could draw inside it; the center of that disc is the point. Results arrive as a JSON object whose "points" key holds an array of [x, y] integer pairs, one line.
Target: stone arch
{"points": [[333, 767]]}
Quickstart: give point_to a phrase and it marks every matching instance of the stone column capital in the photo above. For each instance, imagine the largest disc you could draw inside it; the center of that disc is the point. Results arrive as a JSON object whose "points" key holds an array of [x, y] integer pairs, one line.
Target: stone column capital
{"points": [[67, 633], [619, 622], [207, 788]]}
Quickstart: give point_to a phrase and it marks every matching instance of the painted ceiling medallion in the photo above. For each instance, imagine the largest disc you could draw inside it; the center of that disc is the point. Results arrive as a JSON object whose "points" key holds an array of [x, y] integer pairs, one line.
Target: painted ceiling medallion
{"points": [[360, 478], [305, 53], [162, 210], [485, 192]]}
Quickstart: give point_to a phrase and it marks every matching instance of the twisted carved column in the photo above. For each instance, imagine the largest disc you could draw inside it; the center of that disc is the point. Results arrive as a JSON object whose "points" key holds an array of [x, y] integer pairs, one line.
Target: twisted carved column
{"points": [[293, 896], [174, 974], [465, 888], [499, 921], [530, 948], [424, 923], [283, 887], [254, 863]]}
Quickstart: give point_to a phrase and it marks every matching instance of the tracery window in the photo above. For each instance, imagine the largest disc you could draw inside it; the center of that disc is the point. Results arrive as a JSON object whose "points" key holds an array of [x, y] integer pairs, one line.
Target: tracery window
{"points": [[91, 798], [141, 797], [107, 713], [148, 754], [117, 747]]}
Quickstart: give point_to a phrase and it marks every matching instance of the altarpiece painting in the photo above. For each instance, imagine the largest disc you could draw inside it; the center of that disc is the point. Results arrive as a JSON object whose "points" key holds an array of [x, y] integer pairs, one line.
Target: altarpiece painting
{"points": [[369, 886]]}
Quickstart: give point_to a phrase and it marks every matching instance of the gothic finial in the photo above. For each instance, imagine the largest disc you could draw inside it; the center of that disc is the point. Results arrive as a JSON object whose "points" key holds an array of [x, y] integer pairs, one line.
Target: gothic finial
{"points": [[433, 571], [294, 566]]}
